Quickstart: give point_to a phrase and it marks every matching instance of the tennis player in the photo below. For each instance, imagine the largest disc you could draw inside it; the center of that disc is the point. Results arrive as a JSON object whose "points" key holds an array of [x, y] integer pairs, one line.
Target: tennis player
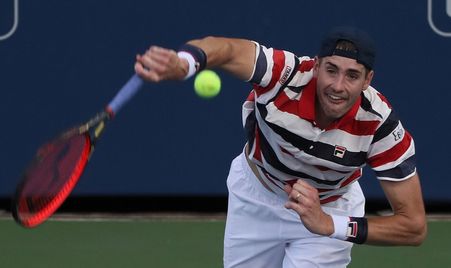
{"points": [[311, 124]]}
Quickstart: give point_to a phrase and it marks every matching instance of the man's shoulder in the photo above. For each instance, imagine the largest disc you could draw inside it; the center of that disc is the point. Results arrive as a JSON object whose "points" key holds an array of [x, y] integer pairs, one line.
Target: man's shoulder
{"points": [[376, 103]]}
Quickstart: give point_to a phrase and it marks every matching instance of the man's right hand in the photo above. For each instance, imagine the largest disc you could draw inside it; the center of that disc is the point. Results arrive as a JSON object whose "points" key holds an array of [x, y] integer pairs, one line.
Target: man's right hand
{"points": [[158, 64]]}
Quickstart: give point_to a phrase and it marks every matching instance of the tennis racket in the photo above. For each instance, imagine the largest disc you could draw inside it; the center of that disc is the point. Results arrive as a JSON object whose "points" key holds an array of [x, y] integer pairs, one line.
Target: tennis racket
{"points": [[57, 166]]}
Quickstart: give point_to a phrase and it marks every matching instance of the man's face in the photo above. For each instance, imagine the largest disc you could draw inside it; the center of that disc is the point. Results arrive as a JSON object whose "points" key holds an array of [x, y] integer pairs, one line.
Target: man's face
{"points": [[340, 81]]}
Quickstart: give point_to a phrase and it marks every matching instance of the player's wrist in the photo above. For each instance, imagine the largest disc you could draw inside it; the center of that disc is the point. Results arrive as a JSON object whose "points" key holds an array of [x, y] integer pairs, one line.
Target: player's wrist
{"points": [[195, 57], [183, 68], [328, 226], [187, 64], [352, 229]]}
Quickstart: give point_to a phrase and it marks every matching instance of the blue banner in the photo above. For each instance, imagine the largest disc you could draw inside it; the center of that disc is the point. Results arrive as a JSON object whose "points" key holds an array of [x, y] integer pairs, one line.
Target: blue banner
{"points": [[61, 61]]}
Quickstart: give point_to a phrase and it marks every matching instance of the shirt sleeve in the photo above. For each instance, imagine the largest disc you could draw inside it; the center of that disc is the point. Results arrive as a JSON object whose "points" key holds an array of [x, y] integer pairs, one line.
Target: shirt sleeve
{"points": [[392, 152], [272, 71]]}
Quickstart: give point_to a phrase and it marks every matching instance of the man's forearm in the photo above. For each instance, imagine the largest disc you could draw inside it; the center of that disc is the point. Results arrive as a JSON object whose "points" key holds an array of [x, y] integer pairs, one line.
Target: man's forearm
{"points": [[236, 56]]}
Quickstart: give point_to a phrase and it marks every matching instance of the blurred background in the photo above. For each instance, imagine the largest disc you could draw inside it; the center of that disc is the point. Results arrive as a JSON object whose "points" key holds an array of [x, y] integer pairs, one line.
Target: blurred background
{"points": [[66, 59]]}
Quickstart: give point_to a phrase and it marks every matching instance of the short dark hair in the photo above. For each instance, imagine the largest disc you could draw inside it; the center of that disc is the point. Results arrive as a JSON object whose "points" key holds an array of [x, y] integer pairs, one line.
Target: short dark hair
{"points": [[346, 46]]}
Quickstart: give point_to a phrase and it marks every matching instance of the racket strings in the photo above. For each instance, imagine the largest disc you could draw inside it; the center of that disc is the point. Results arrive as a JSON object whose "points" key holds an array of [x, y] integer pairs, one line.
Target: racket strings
{"points": [[51, 178]]}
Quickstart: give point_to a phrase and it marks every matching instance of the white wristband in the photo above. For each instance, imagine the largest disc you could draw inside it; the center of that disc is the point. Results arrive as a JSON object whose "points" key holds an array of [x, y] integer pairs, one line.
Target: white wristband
{"points": [[191, 63], [340, 227]]}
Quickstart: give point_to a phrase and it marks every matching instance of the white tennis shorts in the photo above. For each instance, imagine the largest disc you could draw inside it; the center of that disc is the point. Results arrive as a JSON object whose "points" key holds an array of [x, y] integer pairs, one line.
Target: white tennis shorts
{"points": [[261, 233]]}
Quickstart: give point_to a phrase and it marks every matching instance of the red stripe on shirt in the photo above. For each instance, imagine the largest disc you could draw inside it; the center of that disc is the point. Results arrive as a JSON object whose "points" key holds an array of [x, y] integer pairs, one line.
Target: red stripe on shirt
{"points": [[270, 179], [349, 125], [323, 168], [285, 104], [307, 101], [391, 154], [251, 96], [279, 63], [360, 128], [285, 151], [357, 174], [382, 97], [306, 65], [354, 176]]}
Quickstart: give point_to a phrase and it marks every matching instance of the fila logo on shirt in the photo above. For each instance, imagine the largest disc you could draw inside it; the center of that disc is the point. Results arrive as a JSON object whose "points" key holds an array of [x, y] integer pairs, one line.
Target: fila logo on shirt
{"points": [[339, 151]]}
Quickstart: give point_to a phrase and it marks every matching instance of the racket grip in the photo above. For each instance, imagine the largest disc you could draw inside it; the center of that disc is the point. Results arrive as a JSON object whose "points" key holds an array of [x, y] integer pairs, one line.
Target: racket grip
{"points": [[127, 92]]}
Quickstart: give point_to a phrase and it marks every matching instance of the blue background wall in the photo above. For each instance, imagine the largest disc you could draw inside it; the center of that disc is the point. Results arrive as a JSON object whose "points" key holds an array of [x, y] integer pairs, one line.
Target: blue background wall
{"points": [[68, 58]]}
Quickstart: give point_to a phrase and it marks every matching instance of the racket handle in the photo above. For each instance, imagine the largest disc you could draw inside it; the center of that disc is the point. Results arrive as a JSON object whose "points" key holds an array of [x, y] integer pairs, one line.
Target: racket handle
{"points": [[133, 85]]}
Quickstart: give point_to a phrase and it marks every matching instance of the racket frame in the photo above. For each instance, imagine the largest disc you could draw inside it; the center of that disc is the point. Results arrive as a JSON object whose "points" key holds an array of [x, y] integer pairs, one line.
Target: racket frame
{"points": [[91, 130]]}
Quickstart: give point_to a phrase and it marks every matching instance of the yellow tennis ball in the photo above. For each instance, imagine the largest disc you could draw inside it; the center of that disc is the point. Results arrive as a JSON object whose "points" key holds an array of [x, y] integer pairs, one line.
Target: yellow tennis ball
{"points": [[207, 84]]}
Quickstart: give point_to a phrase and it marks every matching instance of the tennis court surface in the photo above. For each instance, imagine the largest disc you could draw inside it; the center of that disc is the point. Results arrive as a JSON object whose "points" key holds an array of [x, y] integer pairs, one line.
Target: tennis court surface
{"points": [[171, 241]]}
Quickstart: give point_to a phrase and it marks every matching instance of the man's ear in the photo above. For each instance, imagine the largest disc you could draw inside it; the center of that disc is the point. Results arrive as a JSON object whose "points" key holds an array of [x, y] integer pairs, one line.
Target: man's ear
{"points": [[316, 66], [368, 79]]}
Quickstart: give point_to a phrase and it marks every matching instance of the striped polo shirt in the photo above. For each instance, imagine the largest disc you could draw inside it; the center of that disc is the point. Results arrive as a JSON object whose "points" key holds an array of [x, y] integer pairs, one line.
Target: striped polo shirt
{"points": [[285, 143]]}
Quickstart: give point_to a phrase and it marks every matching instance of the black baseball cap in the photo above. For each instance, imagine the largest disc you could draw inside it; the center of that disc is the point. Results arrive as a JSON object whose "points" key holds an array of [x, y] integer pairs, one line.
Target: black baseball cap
{"points": [[365, 49]]}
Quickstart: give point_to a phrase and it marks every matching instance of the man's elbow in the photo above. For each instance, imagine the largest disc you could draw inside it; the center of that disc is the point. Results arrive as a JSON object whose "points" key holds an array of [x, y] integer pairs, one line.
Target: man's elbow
{"points": [[418, 231]]}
